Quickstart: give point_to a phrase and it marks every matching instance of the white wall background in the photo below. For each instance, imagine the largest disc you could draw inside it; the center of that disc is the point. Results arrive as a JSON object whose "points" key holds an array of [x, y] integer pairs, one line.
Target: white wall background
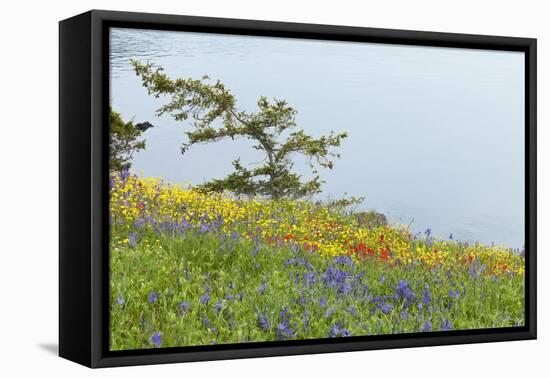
{"points": [[29, 189]]}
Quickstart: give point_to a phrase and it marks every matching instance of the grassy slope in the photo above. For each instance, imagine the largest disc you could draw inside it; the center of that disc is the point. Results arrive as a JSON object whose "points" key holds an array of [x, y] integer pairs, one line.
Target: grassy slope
{"points": [[323, 296]]}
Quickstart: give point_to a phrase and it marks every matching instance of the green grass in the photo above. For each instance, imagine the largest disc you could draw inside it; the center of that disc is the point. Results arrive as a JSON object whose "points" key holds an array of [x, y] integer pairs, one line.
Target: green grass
{"points": [[360, 298]]}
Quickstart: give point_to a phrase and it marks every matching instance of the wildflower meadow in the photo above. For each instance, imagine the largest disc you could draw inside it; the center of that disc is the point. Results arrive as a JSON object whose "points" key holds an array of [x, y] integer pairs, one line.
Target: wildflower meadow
{"points": [[255, 248], [191, 267]]}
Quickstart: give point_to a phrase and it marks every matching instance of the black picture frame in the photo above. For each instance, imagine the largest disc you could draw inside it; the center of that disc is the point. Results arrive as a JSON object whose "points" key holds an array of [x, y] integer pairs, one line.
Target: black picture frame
{"points": [[83, 195]]}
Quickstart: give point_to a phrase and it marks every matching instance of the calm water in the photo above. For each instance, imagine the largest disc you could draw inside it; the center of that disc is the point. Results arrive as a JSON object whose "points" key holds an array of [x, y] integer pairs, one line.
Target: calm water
{"points": [[435, 135]]}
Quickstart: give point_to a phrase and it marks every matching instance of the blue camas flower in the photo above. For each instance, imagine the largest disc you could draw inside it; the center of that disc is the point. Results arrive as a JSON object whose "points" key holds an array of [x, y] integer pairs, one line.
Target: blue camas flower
{"points": [[386, 308], [343, 260], [204, 299], [263, 323], [404, 291], [183, 307], [446, 325], [218, 307], [132, 239], [427, 297], [336, 330], [426, 327], [284, 331], [156, 339], [153, 296], [455, 294]]}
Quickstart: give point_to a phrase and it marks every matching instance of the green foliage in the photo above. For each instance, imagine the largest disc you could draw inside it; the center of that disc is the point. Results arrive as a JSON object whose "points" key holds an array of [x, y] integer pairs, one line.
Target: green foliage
{"points": [[344, 204], [123, 141], [215, 116]]}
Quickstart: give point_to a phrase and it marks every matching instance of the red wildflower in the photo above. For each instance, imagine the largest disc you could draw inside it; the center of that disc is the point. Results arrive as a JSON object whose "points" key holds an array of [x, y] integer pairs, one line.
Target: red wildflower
{"points": [[370, 252]]}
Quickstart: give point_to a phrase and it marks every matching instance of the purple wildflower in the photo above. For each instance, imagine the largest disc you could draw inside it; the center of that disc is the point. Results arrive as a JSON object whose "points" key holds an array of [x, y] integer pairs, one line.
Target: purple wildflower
{"points": [[204, 228], [218, 306], [285, 314], [426, 327], [153, 296], [404, 291], [306, 319], [156, 339], [386, 308], [263, 323], [446, 325], [183, 307], [299, 262], [474, 273], [284, 331], [204, 299], [455, 294], [322, 302], [429, 239], [261, 288], [310, 278], [132, 239], [120, 301], [345, 289], [254, 250], [336, 331], [335, 278], [329, 312], [427, 297], [139, 223], [343, 260], [124, 174]]}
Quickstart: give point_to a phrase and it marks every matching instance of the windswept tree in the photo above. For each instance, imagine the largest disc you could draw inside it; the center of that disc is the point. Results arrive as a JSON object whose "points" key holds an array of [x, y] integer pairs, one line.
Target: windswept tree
{"points": [[124, 141], [212, 110]]}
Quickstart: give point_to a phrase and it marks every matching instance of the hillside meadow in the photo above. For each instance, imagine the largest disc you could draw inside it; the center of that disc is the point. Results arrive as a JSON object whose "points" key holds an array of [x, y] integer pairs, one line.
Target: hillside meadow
{"points": [[191, 268]]}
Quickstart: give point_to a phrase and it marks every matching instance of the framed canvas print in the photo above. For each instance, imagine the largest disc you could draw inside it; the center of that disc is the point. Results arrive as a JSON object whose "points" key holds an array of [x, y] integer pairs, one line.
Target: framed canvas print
{"points": [[235, 188]]}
